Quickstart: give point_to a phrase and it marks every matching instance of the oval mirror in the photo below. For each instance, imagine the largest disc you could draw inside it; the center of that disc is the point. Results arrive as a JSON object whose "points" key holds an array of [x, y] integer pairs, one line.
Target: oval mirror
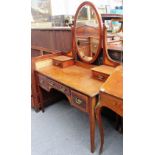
{"points": [[87, 32]]}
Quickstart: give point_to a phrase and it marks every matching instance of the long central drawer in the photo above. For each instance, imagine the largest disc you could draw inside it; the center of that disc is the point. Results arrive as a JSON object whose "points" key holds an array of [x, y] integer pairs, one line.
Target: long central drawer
{"points": [[47, 84]]}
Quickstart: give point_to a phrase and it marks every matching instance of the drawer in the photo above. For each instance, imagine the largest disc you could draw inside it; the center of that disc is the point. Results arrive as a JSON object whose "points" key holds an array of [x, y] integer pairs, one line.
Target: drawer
{"points": [[43, 82], [57, 63], [79, 101], [59, 87], [100, 76], [102, 72], [63, 64], [112, 103]]}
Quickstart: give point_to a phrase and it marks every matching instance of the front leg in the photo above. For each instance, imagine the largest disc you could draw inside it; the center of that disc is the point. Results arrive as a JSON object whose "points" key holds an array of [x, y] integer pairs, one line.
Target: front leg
{"points": [[99, 121], [92, 105], [41, 100], [39, 93]]}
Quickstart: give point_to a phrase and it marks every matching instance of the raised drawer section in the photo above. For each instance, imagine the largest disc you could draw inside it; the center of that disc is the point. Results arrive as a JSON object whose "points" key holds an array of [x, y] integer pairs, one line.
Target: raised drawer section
{"points": [[57, 63], [79, 101], [102, 72], [100, 76], [112, 103], [43, 83], [63, 64]]}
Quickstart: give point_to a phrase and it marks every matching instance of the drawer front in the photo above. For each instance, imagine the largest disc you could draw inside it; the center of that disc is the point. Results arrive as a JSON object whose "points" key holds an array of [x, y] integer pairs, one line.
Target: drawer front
{"points": [[79, 100], [43, 82], [63, 64], [113, 103], [100, 76], [60, 87], [57, 63]]}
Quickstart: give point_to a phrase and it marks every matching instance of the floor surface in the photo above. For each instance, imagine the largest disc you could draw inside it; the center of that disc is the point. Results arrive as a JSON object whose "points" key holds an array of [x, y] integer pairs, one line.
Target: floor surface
{"points": [[64, 130]]}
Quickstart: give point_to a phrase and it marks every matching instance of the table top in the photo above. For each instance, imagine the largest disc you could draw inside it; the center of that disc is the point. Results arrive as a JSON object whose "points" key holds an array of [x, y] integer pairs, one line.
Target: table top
{"points": [[114, 84], [75, 77]]}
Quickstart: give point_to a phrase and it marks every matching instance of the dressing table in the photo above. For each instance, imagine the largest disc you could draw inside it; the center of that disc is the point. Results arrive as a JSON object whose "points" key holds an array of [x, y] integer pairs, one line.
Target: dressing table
{"points": [[79, 76]]}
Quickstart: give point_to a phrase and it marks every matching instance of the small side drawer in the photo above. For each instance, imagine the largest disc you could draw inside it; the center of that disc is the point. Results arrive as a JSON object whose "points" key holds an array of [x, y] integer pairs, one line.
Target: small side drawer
{"points": [[100, 76], [112, 102], [79, 101], [43, 82], [63, 64], [57, 63]]}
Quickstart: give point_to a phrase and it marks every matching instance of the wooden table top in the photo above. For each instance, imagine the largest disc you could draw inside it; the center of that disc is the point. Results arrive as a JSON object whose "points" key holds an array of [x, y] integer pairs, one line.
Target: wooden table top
{"points": [[114, 84], [75, 77]]}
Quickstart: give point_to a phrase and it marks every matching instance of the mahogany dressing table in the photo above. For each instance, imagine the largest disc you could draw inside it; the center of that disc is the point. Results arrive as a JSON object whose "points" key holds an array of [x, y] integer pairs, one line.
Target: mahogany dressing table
{"points": [[77, 75]]}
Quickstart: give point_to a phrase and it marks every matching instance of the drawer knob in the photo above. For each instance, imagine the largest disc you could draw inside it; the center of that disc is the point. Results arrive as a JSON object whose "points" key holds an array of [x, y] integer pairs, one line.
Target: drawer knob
{"points": [[78, 101], [100, 77], [51, 84]]}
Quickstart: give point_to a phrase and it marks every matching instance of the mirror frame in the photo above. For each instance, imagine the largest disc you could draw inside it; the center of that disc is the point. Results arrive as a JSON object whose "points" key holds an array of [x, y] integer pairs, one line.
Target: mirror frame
{"points": [[100, 30]]}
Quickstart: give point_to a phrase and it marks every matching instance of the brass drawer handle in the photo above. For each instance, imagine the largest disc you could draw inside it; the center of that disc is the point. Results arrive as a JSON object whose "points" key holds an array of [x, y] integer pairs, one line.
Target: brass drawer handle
{"points": [[78, 101], [51, 84], [100, 77]]}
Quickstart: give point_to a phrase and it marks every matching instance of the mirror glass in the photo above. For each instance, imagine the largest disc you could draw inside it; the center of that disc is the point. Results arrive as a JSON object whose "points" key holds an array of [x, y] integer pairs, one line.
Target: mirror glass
{"points": [[115, 40], [87, 33]]}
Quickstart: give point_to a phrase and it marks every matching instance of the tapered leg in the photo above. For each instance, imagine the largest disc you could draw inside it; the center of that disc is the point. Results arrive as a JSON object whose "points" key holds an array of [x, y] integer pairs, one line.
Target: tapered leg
{"points": [[117, 122], [42, 103], [92, 124], [99, 121], [39, 93], [41, 100], [121, 125]]}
